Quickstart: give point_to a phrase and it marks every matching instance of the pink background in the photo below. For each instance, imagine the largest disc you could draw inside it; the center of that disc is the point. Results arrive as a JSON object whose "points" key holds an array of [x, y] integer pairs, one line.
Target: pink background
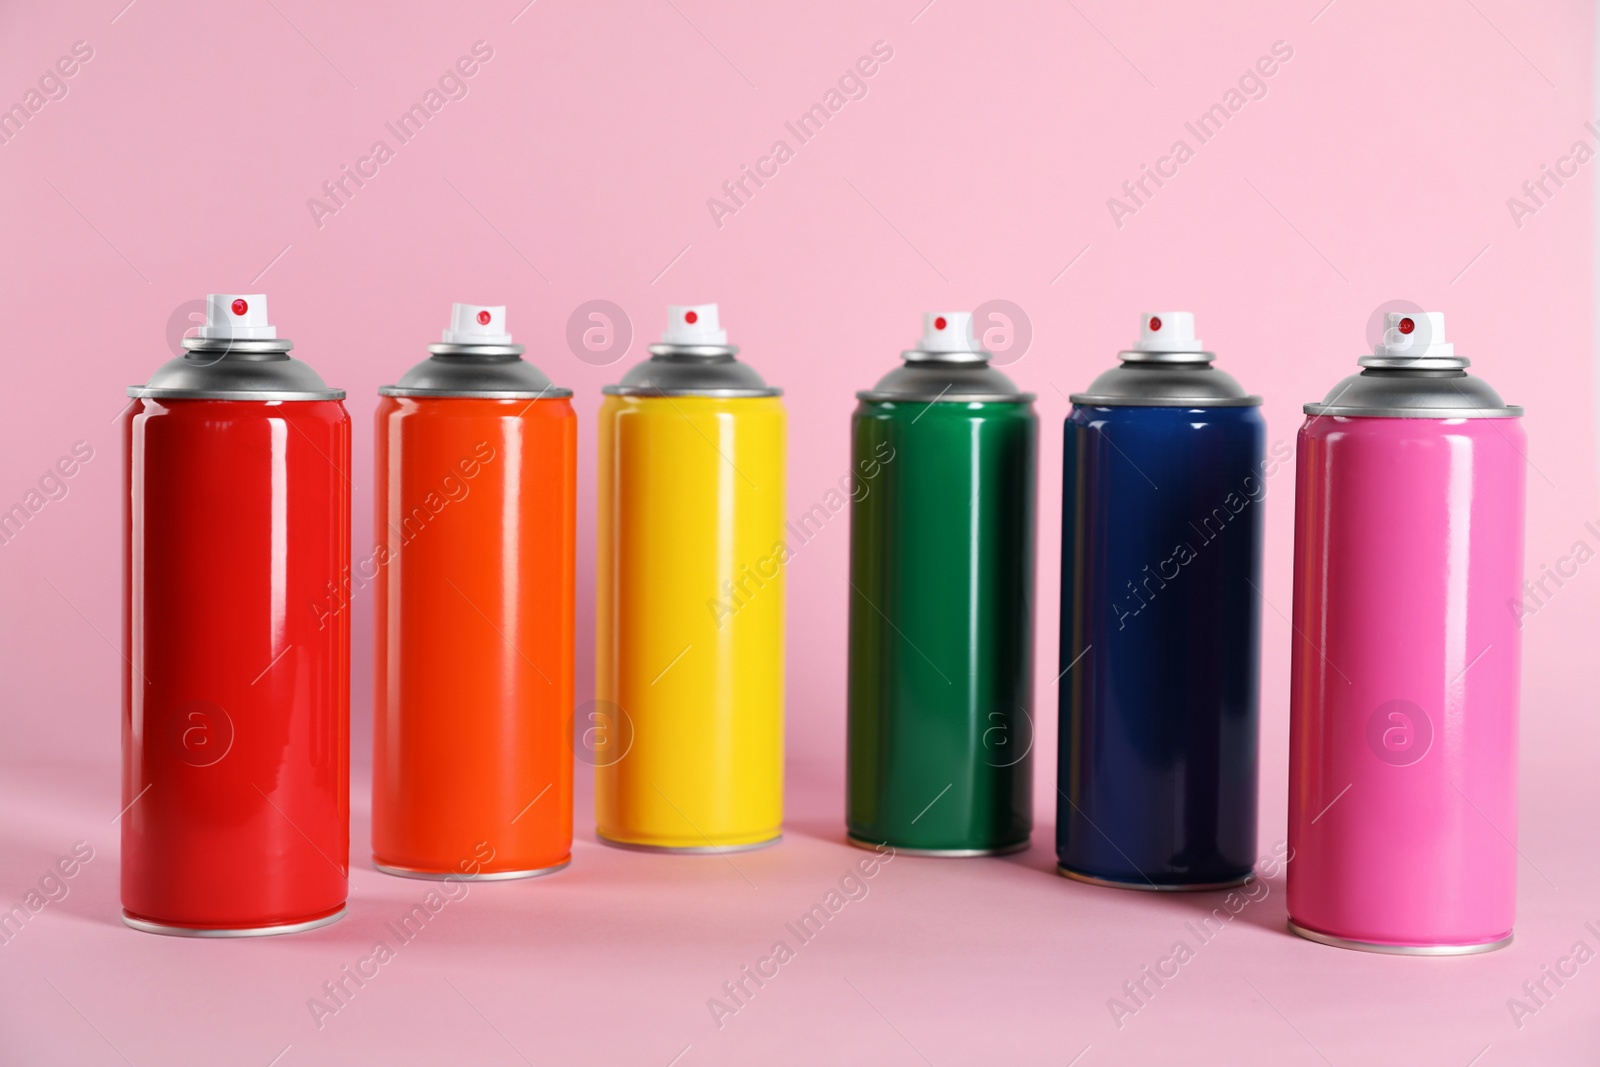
{"points": [[977, 167]]}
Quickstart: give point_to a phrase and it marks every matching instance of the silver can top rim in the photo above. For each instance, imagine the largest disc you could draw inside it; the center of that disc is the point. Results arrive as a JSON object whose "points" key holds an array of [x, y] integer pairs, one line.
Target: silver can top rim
{"points": [[1198, 355], [647, 391], [245, 345], [922, 355], [448, 349], [1092, 400], [1509, 411], [703, 351], [145, 392], [553, 393], [874, 396]]}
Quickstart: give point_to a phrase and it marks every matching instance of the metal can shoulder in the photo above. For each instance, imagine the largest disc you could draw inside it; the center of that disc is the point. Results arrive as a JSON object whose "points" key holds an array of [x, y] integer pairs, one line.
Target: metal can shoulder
{"points": [[1414, 389], [1414, 372], [1169, 381], [472, 371], [944, 380], [692, 370], [235, 369]]}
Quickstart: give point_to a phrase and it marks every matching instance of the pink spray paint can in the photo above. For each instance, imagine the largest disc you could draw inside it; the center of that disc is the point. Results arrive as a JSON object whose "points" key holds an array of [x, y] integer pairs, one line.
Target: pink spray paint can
{"points": [[1404, 690]]}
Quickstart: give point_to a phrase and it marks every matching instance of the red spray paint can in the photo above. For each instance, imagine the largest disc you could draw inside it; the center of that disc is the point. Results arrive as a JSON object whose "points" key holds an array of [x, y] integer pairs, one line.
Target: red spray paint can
{"points": [[236, 697]]}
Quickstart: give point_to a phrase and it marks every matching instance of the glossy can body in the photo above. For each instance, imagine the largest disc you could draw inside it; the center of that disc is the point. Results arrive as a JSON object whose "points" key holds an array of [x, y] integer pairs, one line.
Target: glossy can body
{"points": [[688, 740], [1162, 512], [941, 626], [236, 698], [475, 565], [1403, 729]]}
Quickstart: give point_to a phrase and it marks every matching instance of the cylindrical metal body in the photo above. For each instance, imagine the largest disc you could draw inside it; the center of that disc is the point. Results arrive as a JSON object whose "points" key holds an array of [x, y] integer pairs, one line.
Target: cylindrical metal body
{"points": [[689, 581], [1160, 645], [1162, 505], [235, 731], [475, 566], [941, 610], [1403, 707]]}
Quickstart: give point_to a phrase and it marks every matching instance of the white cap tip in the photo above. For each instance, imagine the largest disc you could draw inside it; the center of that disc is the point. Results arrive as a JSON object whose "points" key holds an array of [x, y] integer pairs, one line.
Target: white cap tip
{"points": [[237, 315], [477, 324], [947, 331], [1415, 335], [1167, 331], [693, 324]]}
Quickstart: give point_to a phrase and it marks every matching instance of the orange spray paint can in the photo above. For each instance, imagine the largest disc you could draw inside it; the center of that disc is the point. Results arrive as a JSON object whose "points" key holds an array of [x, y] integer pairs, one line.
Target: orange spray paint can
{"points": [[474, 565]]}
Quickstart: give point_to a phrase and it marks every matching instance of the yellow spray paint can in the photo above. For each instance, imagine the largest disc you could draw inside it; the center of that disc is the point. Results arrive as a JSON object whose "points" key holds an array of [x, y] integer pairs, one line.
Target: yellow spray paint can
{"points": [[686, 731]]}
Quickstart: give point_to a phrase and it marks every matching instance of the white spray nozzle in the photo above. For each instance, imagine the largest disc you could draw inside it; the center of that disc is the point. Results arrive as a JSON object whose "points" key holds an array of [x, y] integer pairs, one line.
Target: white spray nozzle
{"points": [[240, 316], [1415, 335], [693, 324], [1167, 331], [477, 324], [947, 331]]}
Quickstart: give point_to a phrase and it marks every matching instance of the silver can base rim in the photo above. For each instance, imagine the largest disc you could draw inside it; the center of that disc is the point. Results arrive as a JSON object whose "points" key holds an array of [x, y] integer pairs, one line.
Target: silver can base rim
{"points": [[148, 927], [647, 392], [1390, 949], [456, 876], [552, 393], [949, 396], [1510, 411], [1147, 887], [687, 850], [939, 853], [1091, 400], [145, 392]]}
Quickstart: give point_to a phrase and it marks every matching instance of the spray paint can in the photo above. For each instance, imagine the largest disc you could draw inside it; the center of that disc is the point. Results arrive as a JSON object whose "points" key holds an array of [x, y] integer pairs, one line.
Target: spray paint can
{"points": [[689, 615], [1162, 501], [475, 567], [941, 603], [1404, 691], [235, 725]]}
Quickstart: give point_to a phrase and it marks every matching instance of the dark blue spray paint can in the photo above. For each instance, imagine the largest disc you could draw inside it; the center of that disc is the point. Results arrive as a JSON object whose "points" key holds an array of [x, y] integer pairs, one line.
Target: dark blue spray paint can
{"points": [[1164, 480]]}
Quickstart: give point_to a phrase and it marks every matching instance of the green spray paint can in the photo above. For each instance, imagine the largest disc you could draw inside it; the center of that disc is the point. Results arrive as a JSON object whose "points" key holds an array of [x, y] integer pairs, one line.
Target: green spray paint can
{"points": [[941, 604]]}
